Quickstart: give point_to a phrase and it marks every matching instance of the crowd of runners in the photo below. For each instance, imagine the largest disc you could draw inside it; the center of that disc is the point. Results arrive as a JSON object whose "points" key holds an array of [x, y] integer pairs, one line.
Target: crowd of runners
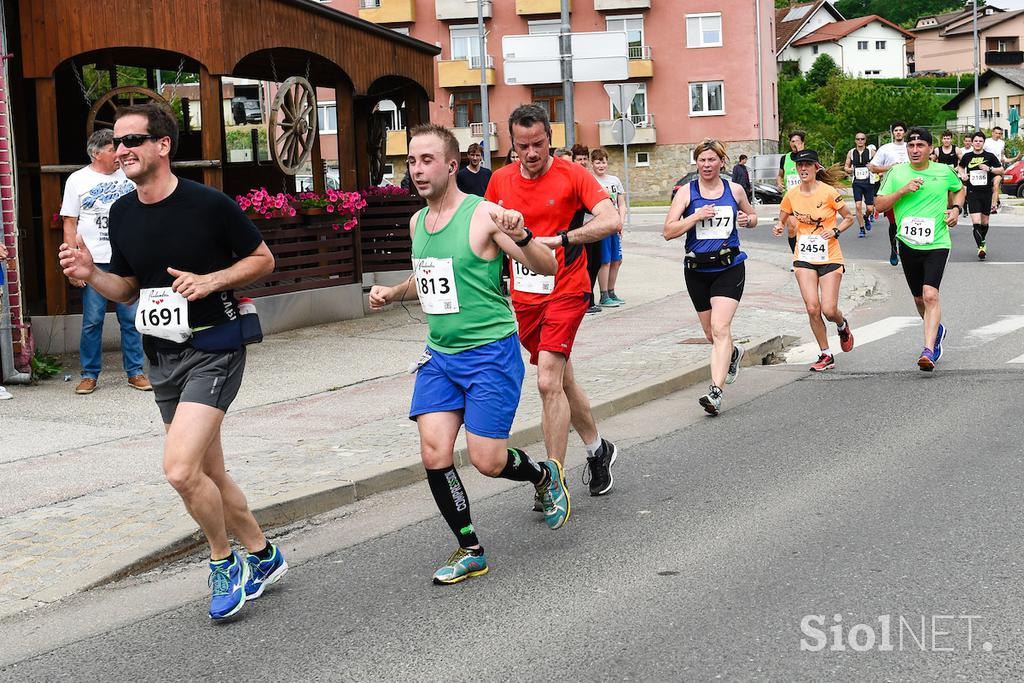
{"points": [[182, 249]]}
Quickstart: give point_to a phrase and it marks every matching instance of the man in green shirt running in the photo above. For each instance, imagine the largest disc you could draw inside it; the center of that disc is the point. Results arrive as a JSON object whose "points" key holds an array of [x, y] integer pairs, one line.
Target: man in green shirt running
{"points": [[788, 177], [926, 198], [472, 369]]}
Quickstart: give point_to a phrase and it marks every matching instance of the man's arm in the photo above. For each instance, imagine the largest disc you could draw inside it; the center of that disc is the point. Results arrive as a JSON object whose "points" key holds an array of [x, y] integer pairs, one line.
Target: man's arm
{"points": [[381, 296], [244, 271], [71, 237], [76, 260], [848, 166], [605, 222]]}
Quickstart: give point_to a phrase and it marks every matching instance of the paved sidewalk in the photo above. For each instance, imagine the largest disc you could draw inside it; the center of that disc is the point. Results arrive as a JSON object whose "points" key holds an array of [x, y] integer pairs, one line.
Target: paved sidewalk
{"points": [[321, 421]]}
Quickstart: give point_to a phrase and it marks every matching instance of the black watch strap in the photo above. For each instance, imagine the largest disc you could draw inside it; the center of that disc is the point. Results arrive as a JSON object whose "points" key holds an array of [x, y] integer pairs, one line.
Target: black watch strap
{"points": [[836, 231], [526, 240], [564, 234]]}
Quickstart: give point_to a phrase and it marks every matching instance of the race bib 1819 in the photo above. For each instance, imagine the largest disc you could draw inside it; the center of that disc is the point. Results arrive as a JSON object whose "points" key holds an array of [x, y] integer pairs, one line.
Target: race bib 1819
{"points": [[918, 230]]}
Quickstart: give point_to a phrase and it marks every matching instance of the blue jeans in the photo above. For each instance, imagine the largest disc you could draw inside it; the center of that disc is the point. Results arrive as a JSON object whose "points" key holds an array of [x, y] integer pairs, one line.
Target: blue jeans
{"points": [[90, 348]]}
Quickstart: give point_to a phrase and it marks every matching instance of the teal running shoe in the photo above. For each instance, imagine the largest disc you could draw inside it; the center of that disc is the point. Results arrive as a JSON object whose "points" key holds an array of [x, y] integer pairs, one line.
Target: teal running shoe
{"points": [[265, 573], [616, 297], [555, 496], [227, 584], [463, 564], [608, 302]]}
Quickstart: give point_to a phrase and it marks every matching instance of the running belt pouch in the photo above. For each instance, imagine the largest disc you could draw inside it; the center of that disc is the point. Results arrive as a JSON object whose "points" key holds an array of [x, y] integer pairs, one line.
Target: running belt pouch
{"points": [[219, 338], [252, 332], [724, 257]]}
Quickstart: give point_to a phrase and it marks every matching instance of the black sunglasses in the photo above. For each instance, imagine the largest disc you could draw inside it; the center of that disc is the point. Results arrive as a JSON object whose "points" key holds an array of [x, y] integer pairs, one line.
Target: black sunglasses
{"points": [[134, 140]]}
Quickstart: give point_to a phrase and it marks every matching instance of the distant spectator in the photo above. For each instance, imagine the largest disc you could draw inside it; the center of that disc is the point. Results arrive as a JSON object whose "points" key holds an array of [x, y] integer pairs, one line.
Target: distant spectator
{"points": [[562, 152], [473, 178], [512, 155], [741, 175], [581, 155], [611, 246]]}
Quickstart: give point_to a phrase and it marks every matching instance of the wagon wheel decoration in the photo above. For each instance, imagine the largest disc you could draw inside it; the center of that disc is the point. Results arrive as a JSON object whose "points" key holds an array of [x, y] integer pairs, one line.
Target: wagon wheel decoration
{"points": [[292, 127], [101, 114]]}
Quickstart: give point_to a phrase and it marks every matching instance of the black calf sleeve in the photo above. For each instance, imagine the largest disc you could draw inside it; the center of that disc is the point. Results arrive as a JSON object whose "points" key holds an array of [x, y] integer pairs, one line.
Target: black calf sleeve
{"points": [[792, 244], [453, 502], [520, 467], [980, 232]]}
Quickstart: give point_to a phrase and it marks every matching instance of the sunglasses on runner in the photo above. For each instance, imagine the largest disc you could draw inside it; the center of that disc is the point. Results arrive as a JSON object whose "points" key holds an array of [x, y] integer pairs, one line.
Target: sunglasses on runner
{"points": [[133, 140]]}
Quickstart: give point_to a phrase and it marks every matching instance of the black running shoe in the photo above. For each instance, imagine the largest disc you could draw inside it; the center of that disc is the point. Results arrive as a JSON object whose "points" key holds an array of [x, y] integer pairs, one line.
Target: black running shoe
{"points": [[599, 468]]}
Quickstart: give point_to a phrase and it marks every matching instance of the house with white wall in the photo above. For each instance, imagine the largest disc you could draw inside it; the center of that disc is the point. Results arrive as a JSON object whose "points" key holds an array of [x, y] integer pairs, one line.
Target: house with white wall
{"points": [[999, 89], [864, 47], [796, 21]]}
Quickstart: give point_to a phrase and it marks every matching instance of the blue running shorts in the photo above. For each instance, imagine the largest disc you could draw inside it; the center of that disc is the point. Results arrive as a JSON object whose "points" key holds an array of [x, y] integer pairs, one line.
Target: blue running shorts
{"points": [[485, 383], [611, 249]]}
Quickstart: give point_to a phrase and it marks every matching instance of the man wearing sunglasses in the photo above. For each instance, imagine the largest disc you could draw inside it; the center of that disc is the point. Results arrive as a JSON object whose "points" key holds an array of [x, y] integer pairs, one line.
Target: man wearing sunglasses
{"points": [[88, 195], [183, 248], [863, 190]]}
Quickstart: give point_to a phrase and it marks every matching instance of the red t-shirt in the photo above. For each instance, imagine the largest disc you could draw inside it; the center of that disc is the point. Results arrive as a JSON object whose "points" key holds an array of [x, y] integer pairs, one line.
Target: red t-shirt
{"points": [[549, 204]]}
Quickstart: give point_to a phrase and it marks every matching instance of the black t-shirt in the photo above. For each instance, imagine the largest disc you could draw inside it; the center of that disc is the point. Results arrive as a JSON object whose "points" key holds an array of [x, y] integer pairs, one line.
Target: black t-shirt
{"points": [[473, 183], [971, 161], [196, 229]]}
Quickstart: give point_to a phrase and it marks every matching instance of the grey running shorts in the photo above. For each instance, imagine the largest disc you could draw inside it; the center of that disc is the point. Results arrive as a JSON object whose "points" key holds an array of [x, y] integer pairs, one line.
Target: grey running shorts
{"points": [[193, 376]]}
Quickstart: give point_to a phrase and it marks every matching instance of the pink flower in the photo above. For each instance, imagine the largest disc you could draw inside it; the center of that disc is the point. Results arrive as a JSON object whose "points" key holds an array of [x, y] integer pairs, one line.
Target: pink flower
{"points": [[330, 208], [291, 211]]}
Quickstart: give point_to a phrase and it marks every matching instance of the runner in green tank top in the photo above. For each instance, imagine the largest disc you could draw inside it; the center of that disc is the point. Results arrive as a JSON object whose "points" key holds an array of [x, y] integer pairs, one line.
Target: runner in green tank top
{"points": [[789, 178], [472, 369]]}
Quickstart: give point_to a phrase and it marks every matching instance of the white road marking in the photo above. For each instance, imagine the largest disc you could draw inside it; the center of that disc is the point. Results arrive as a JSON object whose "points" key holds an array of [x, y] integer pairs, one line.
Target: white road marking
{"points": [[880, 329], [1018, 359], [1007, 324]]}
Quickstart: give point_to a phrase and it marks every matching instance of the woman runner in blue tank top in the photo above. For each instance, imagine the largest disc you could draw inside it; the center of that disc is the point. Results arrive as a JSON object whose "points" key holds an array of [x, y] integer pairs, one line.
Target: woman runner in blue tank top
{"points": [[708, 212]]}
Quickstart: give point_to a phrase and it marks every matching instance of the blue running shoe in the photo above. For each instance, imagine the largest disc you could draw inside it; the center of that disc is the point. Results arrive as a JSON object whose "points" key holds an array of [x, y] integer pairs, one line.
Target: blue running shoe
{"points": [[265, 573], [554, 495], [227, 581], [927, 360], [867, 223], [894, 258], [939, 337], [463, 564]]}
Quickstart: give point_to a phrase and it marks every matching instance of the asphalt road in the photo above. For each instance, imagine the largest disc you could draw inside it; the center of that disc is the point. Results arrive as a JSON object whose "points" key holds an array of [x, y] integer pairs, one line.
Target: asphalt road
{"points": [[875, 494]]}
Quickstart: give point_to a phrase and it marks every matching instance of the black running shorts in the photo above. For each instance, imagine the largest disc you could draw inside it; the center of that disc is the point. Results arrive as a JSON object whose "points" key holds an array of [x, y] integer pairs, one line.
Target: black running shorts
{"points": [[979, 202], [822, 268], [922, 267], [702, 286]]}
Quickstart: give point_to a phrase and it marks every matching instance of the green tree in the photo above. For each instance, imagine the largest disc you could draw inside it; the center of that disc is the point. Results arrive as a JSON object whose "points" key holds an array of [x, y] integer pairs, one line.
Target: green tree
{"points": [[905, 12], [824, 67]]}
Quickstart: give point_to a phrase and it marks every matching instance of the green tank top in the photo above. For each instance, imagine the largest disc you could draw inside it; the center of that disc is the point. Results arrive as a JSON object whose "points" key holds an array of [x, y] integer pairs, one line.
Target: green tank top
{"points": [[460, 292], [790, 177]]}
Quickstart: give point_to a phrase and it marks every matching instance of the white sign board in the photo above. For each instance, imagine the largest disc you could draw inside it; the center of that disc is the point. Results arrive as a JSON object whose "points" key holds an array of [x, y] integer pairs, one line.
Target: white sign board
{"points": [[536, 59]]}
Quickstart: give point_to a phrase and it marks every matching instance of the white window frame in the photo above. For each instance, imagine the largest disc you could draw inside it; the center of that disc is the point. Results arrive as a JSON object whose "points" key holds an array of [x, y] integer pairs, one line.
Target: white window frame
{"points": [[608, 21], [642, 91], [320, 119], [879, 44], [460, 32], [862, 45], [689, 99], [389, 175], [646, 156], [544, 26], [700, 31]]}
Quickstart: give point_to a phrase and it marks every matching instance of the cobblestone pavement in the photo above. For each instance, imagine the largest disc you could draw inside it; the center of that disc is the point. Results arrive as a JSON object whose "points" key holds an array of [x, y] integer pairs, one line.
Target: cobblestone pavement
{"points": [[82, 494]]}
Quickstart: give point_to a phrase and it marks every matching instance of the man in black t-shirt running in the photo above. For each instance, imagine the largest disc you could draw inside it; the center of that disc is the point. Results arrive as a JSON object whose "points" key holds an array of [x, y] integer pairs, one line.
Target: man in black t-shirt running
{"points": [[182, 248], [978, 169]]}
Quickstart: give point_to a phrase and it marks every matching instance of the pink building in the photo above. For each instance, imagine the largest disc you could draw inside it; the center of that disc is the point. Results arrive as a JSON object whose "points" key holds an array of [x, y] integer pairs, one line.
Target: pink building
{"points": [[696, 62]]}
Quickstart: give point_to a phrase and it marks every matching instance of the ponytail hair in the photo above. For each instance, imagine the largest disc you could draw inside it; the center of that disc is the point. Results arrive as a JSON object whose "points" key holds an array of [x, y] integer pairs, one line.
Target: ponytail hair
{"points": [[831, 175]]}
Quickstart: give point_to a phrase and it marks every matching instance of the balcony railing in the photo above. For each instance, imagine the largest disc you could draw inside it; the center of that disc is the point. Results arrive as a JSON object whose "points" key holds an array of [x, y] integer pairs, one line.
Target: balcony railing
{"points": [[639, 51], [994, 58], [477, 129], [474, 61]]}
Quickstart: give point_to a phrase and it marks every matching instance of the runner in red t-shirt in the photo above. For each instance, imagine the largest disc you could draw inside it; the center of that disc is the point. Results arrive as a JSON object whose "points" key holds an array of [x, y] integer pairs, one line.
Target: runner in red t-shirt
{"points": [[550, 193]]}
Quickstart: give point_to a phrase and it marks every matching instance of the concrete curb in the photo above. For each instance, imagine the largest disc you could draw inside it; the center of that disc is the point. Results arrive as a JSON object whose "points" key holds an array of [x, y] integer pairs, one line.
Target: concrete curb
{"points": [[184, 539]]}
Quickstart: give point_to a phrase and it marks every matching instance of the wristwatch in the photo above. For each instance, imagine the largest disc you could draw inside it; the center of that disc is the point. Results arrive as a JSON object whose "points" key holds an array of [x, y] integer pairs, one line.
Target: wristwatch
{"points": [[526, 240], [564, 234], [835, 231]]}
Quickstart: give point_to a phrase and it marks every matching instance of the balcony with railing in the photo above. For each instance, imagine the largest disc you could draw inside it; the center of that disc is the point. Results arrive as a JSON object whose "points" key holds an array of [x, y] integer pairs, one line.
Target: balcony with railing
{"points": [[388, 11], [528, 7], [645, 131], [997, 58], [463, 73], [475, 133], [641, 64], [621, 4], [460, 9]]}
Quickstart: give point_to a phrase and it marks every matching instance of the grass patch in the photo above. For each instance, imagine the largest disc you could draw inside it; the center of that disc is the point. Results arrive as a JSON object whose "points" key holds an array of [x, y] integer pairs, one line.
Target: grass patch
{"points": [[650, 202]]}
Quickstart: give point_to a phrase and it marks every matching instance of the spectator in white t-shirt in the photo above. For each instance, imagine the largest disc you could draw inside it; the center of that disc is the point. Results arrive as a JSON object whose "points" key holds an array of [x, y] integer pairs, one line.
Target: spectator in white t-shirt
{"points": [[887, 156], [611, 246], [88, 196]]}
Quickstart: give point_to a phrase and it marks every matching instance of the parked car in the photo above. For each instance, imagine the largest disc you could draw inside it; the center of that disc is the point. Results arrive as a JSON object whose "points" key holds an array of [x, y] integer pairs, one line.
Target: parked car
{"points": [[253, 114], [763, 192], [304, 182], [1012, 180]]}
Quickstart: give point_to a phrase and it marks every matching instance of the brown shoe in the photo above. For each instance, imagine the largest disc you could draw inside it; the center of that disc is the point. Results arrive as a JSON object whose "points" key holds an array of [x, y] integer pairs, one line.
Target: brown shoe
{"points": [[140, 382], [86, 386]]}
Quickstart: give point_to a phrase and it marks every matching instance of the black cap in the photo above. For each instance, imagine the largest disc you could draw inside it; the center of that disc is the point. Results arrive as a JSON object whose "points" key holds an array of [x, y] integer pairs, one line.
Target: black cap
{"points": [[805, 155], [919, 134]]}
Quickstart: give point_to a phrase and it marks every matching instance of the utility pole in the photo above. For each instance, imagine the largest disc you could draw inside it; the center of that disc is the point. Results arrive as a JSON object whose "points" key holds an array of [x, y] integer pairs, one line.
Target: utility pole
{"points": [[565, 43], [484, 105], [977, 101]]}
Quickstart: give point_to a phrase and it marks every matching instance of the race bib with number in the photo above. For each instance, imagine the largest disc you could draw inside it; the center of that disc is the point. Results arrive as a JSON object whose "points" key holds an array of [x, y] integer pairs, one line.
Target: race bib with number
{"points": [[812, 248], [918, 230], [978, 178], [792, 181], [435, 285], [526, 280], [163, 313], [717, 228], [861, 173]]}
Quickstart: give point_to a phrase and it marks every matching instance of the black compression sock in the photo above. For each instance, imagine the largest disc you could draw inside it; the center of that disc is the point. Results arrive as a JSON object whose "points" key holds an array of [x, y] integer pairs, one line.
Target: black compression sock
{"points": [[230, 559], [266, 553], [983, 229], [520, 467], [453, 502]]}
